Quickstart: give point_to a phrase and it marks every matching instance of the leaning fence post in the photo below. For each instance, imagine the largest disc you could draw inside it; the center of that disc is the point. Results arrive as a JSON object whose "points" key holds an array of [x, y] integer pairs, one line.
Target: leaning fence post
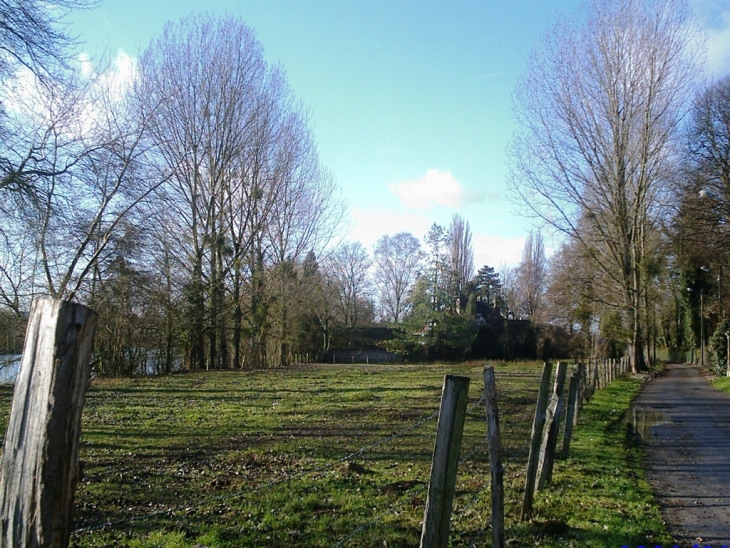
{"points": [[538, 425], [495, 458], [572, 411], [40, 463], [442, 485], [547, 451]]}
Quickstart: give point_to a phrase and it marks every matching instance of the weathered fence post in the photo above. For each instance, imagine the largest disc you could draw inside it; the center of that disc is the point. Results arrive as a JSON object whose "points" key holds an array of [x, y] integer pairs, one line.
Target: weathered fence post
{"points": [[495, 458], [572, 410], [550, 441], [40, 463], [538, 425], [442, 485], [581, 392]]}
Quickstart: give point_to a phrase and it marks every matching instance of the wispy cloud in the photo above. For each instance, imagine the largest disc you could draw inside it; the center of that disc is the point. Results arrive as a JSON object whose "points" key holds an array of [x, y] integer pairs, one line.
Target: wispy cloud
{"points": [[435, 188]]}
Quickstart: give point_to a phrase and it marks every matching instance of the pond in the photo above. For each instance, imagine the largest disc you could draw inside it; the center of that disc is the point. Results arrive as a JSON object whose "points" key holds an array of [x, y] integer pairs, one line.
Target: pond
{"points": [[9, 367]]}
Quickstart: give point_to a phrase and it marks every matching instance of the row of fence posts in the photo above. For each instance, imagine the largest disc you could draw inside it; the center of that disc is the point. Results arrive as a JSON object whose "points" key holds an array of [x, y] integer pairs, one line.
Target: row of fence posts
{"points": [[585, 380], [42, 439]]}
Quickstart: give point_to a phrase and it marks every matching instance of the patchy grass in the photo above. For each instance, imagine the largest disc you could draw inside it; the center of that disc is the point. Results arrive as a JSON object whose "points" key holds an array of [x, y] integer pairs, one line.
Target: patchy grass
{"points": [[337, 456]]}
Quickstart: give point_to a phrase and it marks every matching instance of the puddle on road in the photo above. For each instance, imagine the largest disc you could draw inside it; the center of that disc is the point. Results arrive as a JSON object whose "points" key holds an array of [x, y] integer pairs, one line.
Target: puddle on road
{"points": [[642, 419]]}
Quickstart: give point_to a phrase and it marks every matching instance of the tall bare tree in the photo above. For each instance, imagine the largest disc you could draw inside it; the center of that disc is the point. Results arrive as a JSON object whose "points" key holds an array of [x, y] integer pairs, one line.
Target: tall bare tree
{"points": [[599, 110], [89, 174], [532, 277], [247, 189], [462, 258], [397, 267]]}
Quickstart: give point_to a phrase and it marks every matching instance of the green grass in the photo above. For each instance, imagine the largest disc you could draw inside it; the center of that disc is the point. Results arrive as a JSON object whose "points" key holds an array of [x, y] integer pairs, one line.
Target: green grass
{"points": [[272, 458], [723, 383], [599, 495]]}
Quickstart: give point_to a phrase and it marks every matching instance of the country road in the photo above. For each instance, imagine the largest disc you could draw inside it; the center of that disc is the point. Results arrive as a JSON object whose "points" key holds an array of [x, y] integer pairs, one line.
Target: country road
{"points": [[685, 424]]}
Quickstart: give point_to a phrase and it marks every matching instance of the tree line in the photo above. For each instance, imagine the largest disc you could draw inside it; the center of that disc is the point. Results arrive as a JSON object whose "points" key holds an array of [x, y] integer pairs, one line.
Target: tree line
{"points": [[622, 150], [185, 204]]}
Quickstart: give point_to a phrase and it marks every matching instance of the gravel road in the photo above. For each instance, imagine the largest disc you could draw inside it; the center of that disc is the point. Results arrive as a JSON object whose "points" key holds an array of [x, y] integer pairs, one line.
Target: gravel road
{"points": [[685, 424]]}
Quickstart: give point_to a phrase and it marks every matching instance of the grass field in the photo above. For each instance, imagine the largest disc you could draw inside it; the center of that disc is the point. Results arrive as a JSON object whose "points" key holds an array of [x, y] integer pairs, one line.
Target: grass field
{"points": [[338, 456]]}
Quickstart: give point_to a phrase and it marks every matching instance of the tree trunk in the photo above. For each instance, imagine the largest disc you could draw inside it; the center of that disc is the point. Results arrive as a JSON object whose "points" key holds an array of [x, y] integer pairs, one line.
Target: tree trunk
{"points": [[40, 464]]}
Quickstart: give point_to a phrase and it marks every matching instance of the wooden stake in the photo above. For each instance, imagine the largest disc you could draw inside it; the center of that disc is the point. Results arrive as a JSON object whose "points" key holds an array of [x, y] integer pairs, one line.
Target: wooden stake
{"points": [[442, 486], [572, 411], [495, 458], [538, 425], [552, 425], [40, 463]]}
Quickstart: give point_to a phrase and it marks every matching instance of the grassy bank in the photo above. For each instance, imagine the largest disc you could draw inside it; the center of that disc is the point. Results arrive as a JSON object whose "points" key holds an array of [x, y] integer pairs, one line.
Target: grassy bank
{"points": [[337, 456]]}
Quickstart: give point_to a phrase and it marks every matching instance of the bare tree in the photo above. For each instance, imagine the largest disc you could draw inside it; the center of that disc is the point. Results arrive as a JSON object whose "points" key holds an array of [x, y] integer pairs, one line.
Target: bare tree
{"points": [[203, 86], [247, 189], [599, 109], [510, 289], [570, 295], [347, 269], [33, 42], [397, 267], [531, 277], [707, 187], [462, 258], [32, 35], [438, 272], [89, 175]]}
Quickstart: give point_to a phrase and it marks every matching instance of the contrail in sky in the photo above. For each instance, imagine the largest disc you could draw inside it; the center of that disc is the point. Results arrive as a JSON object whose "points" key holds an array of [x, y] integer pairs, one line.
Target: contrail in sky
{"points": [[485, 76]]}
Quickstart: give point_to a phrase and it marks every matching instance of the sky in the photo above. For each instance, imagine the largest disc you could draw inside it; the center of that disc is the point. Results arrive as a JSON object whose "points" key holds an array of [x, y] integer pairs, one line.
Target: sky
{"points": [[410, 101]]}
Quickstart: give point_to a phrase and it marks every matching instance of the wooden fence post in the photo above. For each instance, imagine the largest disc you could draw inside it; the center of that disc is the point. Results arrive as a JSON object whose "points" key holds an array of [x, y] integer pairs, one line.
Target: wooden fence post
{"points": [[538, 425], [495, 458], [581, 392], [547, 451], [572, 411], [442, 485], [40, 463]]}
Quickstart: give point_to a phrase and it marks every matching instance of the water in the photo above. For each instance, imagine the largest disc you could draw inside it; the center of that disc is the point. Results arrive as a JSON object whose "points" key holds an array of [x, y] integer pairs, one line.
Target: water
{"points": [[643, 419], [9, 368]]}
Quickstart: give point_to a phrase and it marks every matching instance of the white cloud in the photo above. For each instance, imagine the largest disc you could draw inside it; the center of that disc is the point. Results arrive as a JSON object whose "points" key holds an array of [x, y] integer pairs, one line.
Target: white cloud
{"points": [[497, 251], [119, 75], [714, 18], [370, 225], [87, 67], [435, 188]]}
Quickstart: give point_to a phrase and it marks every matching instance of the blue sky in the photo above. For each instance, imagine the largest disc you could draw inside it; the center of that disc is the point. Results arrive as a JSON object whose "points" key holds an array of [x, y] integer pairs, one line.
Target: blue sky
{"points": [[410, 101]]}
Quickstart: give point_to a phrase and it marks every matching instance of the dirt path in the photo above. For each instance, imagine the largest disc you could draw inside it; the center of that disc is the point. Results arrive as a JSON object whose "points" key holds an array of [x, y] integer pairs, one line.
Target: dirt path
{"points": [[685, 424]]}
